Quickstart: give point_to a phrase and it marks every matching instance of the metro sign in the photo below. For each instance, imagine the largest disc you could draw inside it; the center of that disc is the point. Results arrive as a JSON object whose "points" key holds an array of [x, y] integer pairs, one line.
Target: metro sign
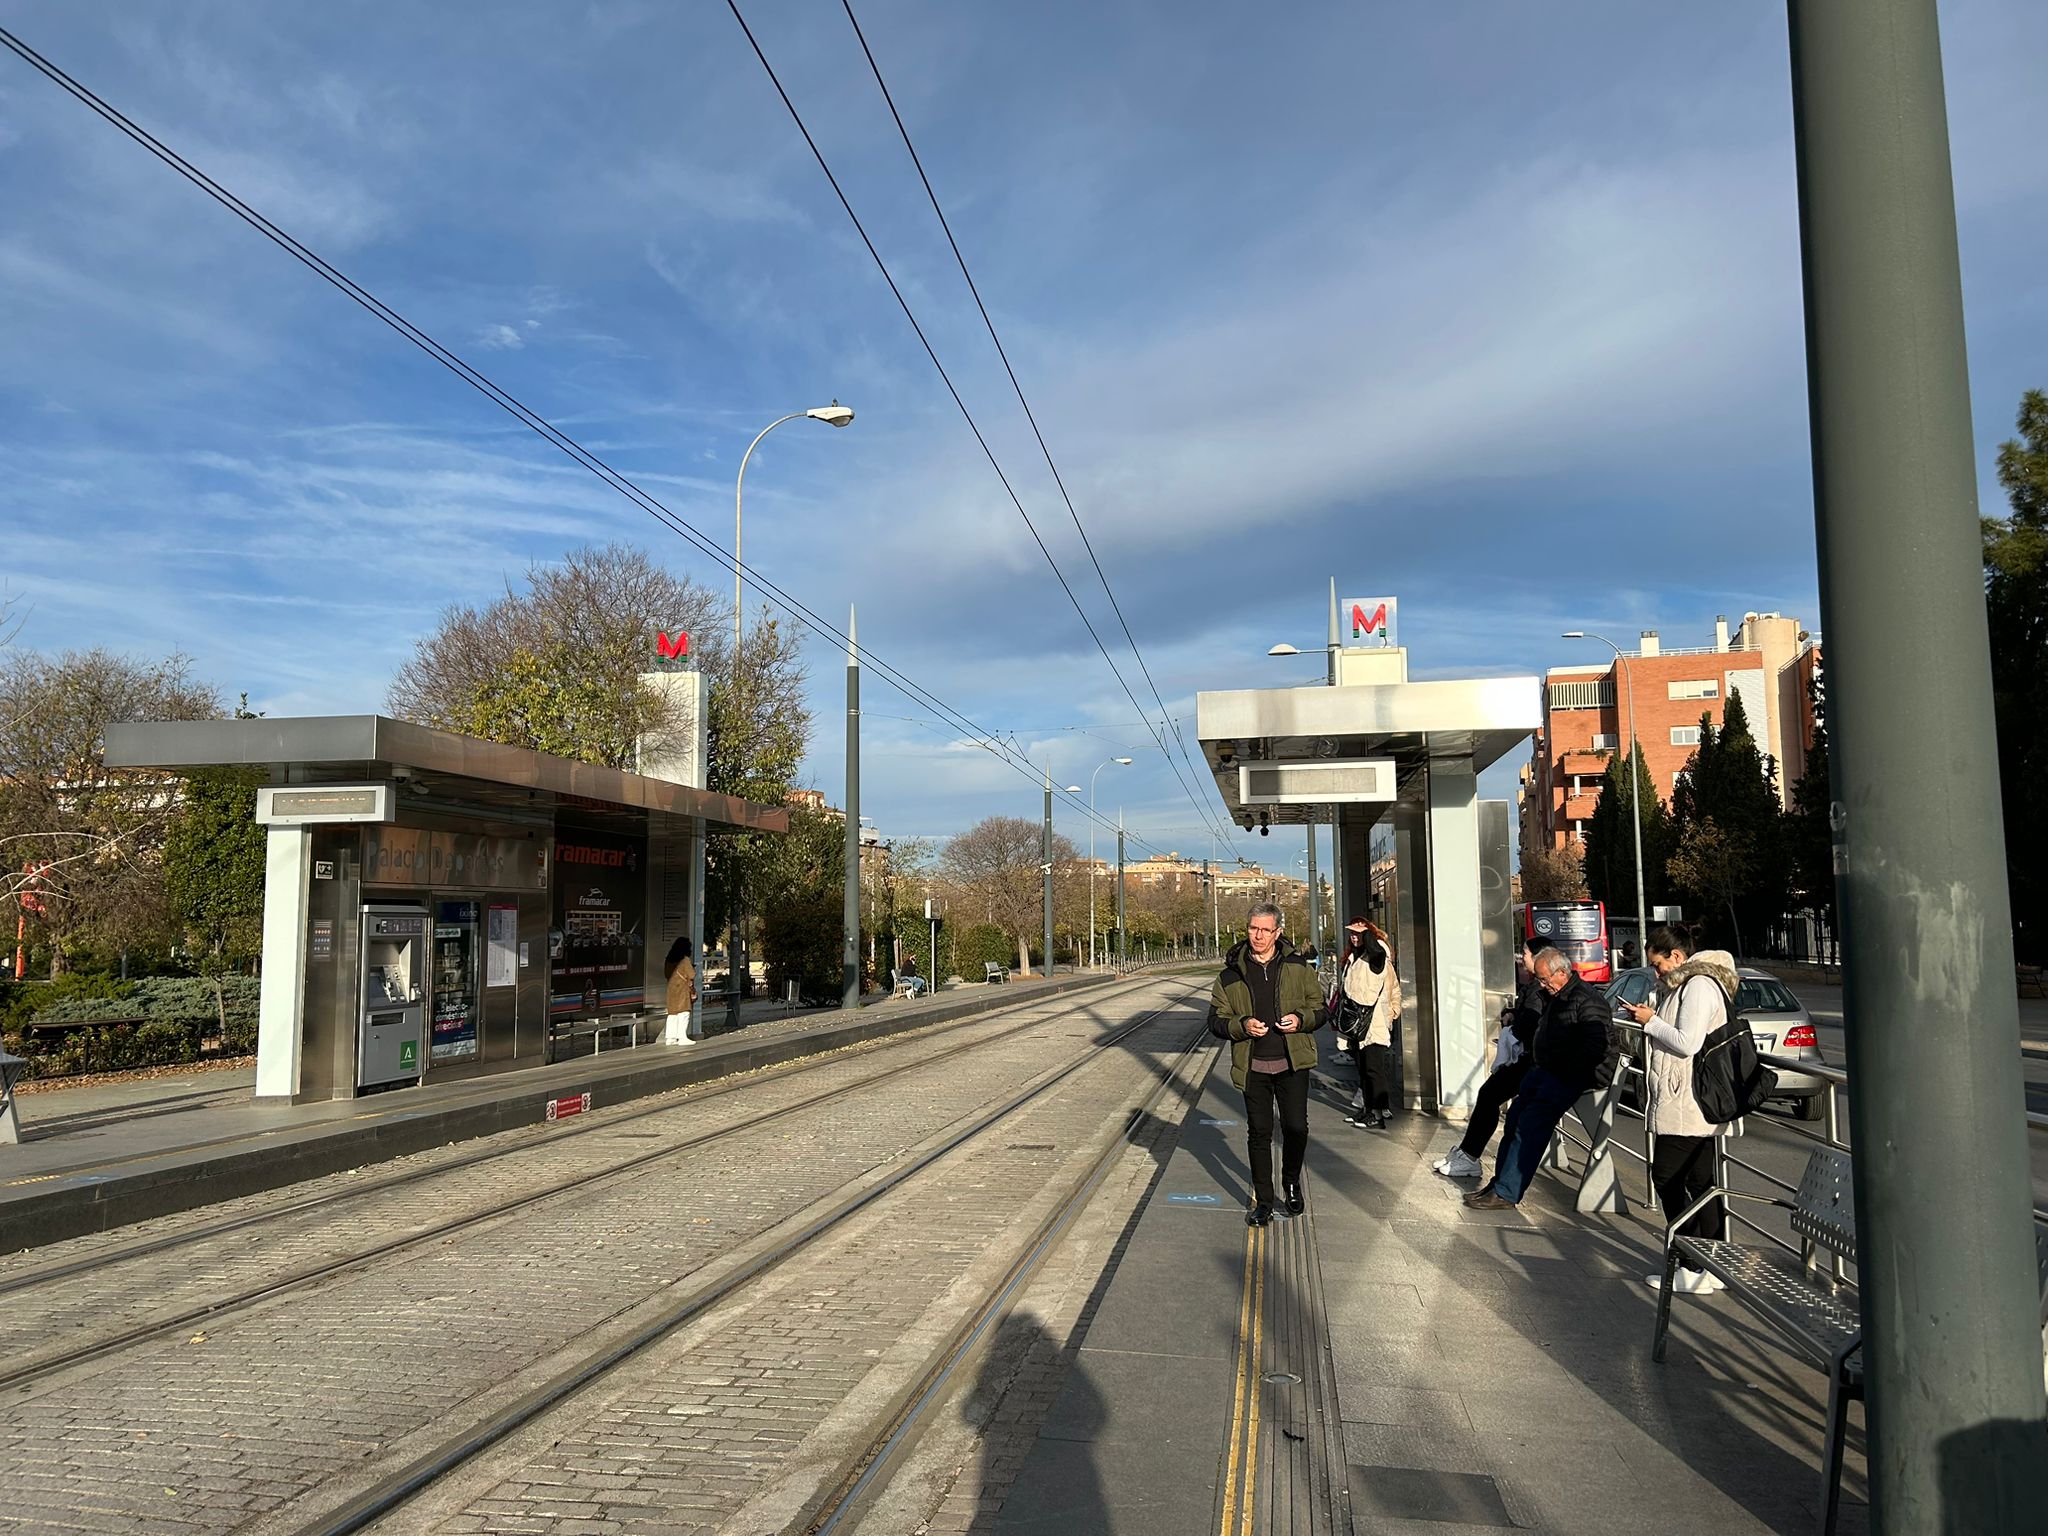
{"points": [[1370, 619], [672, 650]]}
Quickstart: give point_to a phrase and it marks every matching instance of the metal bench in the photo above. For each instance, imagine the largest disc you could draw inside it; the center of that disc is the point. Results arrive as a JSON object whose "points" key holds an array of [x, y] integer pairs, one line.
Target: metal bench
{"points": [[1817, 1315], [992, 972], [901, 985]]}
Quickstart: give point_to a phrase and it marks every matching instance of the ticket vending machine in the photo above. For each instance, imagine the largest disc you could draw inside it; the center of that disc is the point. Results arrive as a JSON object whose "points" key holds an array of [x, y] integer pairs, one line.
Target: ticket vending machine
{"points": [[391, 1024]]}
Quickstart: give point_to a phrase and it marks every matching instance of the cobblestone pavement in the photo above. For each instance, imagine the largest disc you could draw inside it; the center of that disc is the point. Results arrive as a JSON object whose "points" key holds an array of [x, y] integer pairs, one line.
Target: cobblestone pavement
{"points": [[328, 1388], [745, 1419], [120, 1294]]}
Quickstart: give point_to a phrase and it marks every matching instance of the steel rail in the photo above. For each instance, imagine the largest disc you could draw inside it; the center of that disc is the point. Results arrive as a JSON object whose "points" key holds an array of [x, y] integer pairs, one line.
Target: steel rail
{"points": [[732, 1083], [31, 1371], [394, 1491]]}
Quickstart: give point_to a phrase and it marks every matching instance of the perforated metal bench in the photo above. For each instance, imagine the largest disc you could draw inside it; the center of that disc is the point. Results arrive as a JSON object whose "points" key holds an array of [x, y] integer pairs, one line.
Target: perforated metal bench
{"points": [[1816, 1315], [991, 972]]}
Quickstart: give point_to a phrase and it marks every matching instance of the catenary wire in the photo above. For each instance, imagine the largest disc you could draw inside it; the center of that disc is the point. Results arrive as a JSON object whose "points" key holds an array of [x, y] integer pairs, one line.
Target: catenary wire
{"points": [[945, 224], [901, 682], [966, 414]]}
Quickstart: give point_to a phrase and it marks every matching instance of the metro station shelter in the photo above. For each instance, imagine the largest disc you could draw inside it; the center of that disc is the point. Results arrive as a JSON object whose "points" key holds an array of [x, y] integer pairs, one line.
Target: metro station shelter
{"points": [[436, 906], [1394, 767]]}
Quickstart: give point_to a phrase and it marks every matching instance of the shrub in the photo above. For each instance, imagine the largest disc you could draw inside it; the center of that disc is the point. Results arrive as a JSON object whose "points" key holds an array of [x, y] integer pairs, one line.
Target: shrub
{"points": [[979, 944], [801, 937]]}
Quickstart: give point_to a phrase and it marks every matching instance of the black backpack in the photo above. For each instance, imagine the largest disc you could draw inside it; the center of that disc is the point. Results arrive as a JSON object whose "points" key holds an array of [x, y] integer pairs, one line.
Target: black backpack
{"points": [[1728, 1079]]}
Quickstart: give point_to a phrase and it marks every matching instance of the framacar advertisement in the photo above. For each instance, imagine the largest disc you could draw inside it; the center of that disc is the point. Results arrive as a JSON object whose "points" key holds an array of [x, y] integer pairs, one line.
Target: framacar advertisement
{"points": [[596, 943]]}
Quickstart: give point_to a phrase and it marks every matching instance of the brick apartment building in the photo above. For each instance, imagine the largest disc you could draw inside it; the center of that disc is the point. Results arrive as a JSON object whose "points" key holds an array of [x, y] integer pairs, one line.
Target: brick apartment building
{"points": [[1770, 660]]}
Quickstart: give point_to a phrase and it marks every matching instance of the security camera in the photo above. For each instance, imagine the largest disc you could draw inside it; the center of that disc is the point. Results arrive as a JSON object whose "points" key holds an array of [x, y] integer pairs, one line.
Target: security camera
{"points": [[1264, 830], [1225, 753]]}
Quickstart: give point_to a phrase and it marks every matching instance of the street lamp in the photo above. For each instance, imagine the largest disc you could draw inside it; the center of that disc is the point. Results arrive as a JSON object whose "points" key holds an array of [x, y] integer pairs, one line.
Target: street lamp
{"points": [[833, 415], [1091, 854], [1635, 771]]}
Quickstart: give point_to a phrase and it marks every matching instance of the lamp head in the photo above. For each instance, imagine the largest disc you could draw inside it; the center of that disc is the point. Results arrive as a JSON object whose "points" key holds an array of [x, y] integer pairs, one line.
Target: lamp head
{"points": [[1284, 649], [1573, 634], [833, 415], [1124, 760], [1072, 789]]}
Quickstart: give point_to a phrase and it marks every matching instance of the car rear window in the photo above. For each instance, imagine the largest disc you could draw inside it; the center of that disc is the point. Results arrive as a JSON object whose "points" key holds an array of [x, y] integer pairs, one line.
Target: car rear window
{"points": [[1756, 995]]}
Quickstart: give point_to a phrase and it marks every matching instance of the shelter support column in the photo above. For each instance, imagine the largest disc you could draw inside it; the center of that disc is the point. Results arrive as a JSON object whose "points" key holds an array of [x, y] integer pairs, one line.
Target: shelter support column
{"points": [[1457, 931], [281, 1016]]}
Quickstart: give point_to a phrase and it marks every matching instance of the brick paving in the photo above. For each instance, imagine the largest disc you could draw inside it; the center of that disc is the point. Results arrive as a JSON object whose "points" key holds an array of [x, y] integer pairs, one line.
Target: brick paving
{"points": [[330, 1387]]}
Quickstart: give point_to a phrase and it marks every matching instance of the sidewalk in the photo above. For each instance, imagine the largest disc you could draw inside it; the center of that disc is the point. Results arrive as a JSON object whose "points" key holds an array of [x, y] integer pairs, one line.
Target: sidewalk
{"points": [[1492, 1370]]}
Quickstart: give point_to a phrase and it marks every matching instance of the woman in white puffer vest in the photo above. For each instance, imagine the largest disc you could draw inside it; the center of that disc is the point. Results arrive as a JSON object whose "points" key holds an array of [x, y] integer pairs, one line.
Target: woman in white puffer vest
{"points": [[1694, 995]]}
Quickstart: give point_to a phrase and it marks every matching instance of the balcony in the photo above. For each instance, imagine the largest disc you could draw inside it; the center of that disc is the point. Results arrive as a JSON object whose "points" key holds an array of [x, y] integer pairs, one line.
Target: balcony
{"points": [[1586, 760], [1580, 807]]}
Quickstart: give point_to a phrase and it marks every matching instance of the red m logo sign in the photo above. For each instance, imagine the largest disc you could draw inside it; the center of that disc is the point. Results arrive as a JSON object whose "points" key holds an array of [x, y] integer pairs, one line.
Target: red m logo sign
{"points": [[672, 649], [1374, 623]]}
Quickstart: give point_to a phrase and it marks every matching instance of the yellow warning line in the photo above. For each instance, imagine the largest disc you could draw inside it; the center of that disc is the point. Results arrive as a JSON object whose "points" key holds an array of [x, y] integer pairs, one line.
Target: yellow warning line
{"points": [[1244, 1398]]}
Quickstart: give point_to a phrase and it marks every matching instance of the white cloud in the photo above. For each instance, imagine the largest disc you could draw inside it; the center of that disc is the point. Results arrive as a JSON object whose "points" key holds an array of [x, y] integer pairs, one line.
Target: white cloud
{"points": [[502, 338]]}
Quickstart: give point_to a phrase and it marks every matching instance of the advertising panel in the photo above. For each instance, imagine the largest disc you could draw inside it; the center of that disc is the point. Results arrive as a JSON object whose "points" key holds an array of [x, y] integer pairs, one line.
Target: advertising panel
{"points": [[599, 931], [453, 1036]]}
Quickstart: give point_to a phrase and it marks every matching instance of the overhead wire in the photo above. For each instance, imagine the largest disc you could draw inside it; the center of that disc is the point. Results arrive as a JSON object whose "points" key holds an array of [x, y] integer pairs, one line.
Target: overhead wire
{"points": [[946, 378], [919, 695], [1059, 480]]}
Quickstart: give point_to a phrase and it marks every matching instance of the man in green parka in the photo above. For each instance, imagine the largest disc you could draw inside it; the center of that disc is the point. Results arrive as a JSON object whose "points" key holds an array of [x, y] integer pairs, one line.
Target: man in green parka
{"points": [[1270, 1001]]}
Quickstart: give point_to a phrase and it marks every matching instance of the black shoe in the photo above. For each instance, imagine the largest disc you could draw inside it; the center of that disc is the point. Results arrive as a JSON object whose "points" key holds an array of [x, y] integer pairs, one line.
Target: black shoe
{"points": [[1295, 1204], [1383, 1119], [1259, 1215]]}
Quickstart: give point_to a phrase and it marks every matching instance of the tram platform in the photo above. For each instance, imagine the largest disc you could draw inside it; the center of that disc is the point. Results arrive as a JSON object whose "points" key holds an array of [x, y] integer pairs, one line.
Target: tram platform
{"points": [[1392, 1362], [107, 1156]]}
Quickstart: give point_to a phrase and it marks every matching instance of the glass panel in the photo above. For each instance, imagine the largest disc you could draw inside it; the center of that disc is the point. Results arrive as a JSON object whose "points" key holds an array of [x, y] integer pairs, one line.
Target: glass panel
{"points": [[455, 990], [1764, 996]]}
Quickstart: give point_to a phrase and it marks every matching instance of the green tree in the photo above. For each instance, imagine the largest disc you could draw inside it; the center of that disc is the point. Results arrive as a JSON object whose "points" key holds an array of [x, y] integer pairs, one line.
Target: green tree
{"points": [[213, 864], [1733, 786], [2016, 608], [1610, 851], [1809, 835]]}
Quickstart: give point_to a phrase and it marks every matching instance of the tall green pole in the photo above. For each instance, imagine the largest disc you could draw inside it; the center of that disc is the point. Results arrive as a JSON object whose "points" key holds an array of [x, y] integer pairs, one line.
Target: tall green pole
{"points": [[1952, 1344], [1045, 868], [849, 954]]}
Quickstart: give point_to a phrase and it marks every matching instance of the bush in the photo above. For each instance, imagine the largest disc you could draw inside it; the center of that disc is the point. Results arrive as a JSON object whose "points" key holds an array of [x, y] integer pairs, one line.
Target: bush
{"points": [[166, 1020], [801, 937], [980, 943]]}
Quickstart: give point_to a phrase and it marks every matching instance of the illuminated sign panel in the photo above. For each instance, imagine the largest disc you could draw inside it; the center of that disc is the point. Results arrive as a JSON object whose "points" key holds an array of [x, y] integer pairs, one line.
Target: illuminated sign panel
{"points": [[322, 804], [1369, 620]]}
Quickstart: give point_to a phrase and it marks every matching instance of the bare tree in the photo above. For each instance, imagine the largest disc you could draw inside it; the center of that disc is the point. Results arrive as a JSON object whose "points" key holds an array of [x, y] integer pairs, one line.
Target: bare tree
{"points": [[1553, 874], [81, 844], [996, 866]]}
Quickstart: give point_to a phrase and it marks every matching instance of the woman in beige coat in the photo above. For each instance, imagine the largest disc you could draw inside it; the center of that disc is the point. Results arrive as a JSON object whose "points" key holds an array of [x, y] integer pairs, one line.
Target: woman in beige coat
{"points": [[682, 992], [1694, 995]]}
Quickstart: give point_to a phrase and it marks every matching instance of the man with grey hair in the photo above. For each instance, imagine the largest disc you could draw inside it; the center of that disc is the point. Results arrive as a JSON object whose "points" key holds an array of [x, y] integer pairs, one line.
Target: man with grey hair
{"points": [[1269, 1001], [1570, 1045]]}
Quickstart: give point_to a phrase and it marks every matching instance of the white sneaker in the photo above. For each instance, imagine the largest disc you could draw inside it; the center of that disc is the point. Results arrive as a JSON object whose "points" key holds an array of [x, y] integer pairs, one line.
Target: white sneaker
{"points": [[1358, 1099], [1459, 1164], [1690, 1282]]}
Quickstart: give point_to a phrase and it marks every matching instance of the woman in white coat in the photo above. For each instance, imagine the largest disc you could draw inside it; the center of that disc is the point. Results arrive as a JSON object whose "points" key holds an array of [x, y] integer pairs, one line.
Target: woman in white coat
{"points": [[1694, 995]]}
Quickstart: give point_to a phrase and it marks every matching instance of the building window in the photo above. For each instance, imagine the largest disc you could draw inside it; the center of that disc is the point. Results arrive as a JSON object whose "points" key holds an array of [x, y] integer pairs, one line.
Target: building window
{"points": [[1595, 693], [1685, 735], [1704, 688], [1607, 743]]}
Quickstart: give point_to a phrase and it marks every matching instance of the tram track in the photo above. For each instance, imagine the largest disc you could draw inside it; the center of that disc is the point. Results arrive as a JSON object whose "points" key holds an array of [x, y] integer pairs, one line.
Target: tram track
{"points": [[25, 1373], [393, 1494]]}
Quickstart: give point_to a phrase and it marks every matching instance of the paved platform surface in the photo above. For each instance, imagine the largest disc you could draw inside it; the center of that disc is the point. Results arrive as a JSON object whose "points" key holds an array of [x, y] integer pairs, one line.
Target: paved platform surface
{"points": [[106, 1155], [1490, 1371]]}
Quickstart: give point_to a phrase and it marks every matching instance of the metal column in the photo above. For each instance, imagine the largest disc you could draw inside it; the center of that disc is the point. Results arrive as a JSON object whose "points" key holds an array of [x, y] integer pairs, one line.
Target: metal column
{"points": [[1944, 1210], [1045, 868], [1122, 936], [849, 954]]}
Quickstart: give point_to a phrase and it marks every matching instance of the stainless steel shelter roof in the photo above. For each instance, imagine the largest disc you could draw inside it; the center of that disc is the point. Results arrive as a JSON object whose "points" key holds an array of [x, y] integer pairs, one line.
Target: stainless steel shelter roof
{"points": [[1481, 718], [339, 748]]}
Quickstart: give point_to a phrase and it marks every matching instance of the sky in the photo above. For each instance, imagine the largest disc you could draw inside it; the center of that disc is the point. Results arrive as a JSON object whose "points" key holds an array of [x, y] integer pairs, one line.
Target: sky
{"points": [[1490, 306]]}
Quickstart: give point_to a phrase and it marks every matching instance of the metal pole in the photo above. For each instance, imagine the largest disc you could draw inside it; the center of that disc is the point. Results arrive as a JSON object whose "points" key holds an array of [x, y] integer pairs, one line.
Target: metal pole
{"points": [[1314, 928], [1952, 1345], [1045, 870], [1122, 938], [849, 954], [1635, 806]]}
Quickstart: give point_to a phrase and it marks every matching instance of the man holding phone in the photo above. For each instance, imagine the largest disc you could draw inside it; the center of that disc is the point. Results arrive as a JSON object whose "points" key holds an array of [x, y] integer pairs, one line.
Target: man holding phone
{"points": [[1270, 1002]]}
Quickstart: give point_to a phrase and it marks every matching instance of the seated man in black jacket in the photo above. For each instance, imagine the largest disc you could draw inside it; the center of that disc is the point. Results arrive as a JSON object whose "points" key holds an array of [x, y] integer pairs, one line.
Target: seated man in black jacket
{"points": [[1462, 1161], [1571, 1044]]}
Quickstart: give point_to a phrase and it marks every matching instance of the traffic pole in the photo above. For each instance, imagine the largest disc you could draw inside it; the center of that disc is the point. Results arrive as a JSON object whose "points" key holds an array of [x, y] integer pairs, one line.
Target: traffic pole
{"points": [[1123, 941], [849, 954], [1945, 1236]]}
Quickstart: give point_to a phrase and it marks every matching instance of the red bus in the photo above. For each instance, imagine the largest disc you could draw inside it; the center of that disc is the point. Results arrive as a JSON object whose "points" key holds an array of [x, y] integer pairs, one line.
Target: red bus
{"points": [[1578, 929]]}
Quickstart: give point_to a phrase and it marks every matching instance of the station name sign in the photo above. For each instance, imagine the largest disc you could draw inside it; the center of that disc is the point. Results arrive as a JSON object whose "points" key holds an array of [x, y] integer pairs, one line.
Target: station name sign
{"points": [[315, 805]]}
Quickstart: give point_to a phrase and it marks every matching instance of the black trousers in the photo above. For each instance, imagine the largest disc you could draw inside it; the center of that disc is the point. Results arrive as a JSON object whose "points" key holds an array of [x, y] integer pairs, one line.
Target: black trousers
{"points": [[1494, 1094], [1683, 1170], [1262, 1092], [1376, 1077]]}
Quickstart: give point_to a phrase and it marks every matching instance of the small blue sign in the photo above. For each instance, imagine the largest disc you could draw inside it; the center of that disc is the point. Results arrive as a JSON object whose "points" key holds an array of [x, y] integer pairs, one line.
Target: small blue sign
{"points": [[1207, 1121], [1194, 1199]]}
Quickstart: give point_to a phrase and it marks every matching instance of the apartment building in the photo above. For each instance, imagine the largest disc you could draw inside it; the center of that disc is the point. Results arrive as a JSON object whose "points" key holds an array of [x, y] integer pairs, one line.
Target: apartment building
{"points": [[1770, 660]]}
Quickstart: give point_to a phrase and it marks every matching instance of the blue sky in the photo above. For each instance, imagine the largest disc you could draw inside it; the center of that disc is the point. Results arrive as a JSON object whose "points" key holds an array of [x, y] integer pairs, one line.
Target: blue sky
{"points": [[1491, 306]]}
